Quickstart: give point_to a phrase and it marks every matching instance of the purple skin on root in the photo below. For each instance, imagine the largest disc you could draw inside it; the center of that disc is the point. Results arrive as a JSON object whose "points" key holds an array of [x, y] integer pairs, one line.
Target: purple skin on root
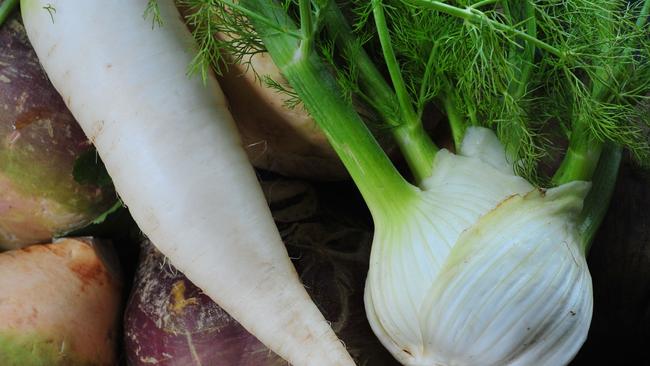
{"points": [[170, 322], [39, 144]]}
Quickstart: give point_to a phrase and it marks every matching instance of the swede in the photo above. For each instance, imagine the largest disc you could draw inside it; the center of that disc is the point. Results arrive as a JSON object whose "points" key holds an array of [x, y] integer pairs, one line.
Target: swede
{"points": [[39, 144], [59, 304]]}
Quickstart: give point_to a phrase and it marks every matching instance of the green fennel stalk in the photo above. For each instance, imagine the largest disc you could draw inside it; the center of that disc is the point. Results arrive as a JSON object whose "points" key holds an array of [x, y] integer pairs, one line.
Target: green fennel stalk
{"points": [[378, 180], [393, 105]]}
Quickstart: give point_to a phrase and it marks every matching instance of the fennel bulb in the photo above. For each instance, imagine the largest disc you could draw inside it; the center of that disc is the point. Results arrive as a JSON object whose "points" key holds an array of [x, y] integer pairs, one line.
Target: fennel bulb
{"points": [[481, 268]]}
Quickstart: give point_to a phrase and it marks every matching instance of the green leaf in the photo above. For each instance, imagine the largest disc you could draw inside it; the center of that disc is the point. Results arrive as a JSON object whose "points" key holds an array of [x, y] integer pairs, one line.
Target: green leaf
{"points": [[101, 218], [114, 222], [153, 11]]}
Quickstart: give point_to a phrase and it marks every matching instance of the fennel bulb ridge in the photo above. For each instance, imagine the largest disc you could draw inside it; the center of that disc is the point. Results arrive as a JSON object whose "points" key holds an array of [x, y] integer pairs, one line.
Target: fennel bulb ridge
{"points": [[483, 269]]}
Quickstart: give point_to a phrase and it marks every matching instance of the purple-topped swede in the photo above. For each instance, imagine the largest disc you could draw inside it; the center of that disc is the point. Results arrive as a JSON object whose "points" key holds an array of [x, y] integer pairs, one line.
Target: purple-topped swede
{"points": [[39, 144]]}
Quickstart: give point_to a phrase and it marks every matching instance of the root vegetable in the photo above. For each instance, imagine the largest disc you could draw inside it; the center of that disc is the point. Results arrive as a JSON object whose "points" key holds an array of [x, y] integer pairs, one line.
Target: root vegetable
{"points": [[39, 144], [59, 305], [277, 138]]}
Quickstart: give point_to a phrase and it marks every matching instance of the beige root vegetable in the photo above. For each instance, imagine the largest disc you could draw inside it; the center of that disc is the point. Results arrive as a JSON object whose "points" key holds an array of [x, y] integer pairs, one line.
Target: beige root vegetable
{"points": [[277, 138], [59, 304]]}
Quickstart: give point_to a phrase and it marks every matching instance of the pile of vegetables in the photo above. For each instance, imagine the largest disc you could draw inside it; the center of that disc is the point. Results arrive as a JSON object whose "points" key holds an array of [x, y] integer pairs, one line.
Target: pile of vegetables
{"points": [[478, 255]]}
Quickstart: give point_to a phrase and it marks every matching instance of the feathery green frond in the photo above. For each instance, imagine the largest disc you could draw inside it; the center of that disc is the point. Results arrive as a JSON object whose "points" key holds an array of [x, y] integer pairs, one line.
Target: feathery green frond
{"points": [[153, 11]]}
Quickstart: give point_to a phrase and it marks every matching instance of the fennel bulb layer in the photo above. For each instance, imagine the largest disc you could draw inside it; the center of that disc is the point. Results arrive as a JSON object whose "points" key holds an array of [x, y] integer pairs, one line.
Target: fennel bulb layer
{"points": [[481, 269]]}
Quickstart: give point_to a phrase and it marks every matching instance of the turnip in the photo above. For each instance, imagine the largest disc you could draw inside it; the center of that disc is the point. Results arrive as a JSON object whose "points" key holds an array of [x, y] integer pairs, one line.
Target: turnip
{"points": [[59, 304], [39, 144], [172, 150], [168, 320]]}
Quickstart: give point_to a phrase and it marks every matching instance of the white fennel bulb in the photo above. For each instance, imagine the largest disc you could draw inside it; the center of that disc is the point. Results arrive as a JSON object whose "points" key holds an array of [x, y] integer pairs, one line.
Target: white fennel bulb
{"points": [[481, 268]]}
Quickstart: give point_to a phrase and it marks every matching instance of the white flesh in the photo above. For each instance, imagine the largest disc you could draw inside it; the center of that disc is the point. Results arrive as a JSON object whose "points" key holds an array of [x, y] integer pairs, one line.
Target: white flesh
{"points": [[171, 147]]}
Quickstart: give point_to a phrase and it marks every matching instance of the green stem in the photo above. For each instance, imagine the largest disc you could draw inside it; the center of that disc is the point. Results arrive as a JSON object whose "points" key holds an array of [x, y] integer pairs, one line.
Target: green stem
{"points": [[472, 116], [406, 127], [581, 158], [597, 201], [372, 82], [477, 17], [403, 96], [6, 7], [600, 88], [382, 187], [584, 152], [643, 14], [580, 161], [522, 61], [425, 79], [306, 43], [418, 150], [604, 179], [457, 122]]}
